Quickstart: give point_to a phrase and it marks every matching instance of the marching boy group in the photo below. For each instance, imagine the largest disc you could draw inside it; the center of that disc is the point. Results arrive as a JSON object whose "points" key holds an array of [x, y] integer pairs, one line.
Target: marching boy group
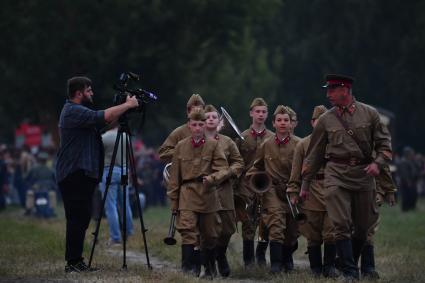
{"points": [[338, 176]]}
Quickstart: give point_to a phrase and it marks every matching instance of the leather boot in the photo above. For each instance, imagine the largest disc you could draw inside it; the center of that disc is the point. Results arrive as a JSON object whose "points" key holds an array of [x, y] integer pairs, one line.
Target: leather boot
{"points": [[187, 258], [260, 253], [329, 261], [196, 262], [367, 263], [287, 258], [248, 252], [315, 258], [345, 252], [275, 257], [208, 258], [357, 250], [223, 265]]}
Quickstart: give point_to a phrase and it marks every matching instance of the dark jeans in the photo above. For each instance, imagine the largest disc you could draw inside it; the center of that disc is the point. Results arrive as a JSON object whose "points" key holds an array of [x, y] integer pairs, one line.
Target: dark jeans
{"points": [[77, 193]]}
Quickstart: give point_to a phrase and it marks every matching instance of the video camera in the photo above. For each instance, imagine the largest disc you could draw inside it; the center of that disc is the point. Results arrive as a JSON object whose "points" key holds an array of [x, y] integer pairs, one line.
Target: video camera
{"points": [[143, 96]]}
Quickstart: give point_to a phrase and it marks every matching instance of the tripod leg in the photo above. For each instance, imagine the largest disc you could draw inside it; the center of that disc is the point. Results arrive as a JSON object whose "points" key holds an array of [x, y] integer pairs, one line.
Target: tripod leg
{"points": [[124, 183], [108, 183], [134, 181]]}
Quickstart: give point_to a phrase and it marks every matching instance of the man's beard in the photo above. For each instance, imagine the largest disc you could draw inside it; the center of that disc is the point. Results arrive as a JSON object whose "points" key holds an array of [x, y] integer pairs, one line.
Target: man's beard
{"points": [[88, 102]]}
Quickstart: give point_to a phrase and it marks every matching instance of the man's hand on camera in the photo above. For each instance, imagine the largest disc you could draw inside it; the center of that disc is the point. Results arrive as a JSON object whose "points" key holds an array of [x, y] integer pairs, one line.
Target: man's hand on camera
{"points": [[132, 101]]}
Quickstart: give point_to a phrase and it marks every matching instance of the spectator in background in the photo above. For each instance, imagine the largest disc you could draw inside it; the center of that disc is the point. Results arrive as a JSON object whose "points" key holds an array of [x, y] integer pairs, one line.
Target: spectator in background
{"points": [[41, 184], [408, 173], [114, 196]]}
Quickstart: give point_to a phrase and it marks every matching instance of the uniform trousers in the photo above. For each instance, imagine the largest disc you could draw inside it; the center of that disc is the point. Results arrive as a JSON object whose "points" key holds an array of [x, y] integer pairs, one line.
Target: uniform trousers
{"points": [[191, 224], [350, 210], [275, 219], [228, 227], [318, 228]]}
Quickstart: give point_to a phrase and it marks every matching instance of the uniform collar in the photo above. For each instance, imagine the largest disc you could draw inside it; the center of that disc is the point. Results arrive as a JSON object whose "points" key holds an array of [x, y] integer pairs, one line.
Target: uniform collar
{"points": [[260, 134], [350, 109], [199, 143], [284, 141]]}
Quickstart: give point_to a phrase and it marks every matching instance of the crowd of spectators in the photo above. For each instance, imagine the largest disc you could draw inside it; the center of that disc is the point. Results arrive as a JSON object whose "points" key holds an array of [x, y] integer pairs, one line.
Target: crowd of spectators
{"points": [[24, 176]]}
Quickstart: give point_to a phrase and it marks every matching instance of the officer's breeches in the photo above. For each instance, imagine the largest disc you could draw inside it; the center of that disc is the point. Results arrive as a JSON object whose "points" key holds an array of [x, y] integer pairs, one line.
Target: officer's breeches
{"points": [[351, 212]]}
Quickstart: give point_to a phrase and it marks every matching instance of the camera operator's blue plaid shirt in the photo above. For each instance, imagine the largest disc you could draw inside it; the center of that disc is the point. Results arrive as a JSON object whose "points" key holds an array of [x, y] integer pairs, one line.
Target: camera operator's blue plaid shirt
{"points": [[80, 142]]}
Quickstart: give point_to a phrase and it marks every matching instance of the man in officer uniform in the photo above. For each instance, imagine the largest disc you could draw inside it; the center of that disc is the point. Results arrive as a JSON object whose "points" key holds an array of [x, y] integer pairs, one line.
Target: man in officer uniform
{"points": [[347, 135], [225, 190], [253, 137], [198, 167], [318, 229], [167, 148]]}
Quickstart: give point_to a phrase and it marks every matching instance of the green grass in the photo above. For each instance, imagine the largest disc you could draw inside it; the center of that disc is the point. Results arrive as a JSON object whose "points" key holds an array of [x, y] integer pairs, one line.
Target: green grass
{"points": [[33, 249]]}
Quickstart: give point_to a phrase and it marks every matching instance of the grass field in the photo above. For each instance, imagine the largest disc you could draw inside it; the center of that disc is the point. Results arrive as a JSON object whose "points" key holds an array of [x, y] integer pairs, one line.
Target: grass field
{"points": [[32, 250]]}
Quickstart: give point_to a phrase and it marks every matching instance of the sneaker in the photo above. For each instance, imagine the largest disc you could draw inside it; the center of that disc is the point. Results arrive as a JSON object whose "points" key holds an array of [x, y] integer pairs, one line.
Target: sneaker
{"points": [[79, 267], [113, 243]]}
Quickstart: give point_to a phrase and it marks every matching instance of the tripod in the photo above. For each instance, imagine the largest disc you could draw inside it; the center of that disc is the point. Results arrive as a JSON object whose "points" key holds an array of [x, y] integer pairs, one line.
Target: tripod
{"points": [[126, 159]]}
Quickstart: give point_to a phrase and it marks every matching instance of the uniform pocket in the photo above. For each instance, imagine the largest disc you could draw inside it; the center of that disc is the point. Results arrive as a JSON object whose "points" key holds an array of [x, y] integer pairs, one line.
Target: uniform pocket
{"points": [[336, 137]]}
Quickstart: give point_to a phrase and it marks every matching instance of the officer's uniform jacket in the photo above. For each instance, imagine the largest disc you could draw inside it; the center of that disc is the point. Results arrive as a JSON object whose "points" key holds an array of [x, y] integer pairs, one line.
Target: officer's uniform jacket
{"points": [[330, 139], [166, 150], [189, 164]]}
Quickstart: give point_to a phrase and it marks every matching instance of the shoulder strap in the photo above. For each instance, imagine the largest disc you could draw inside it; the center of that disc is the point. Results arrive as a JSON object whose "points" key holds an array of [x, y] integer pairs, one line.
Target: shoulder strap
{"points": [[350, 132]]}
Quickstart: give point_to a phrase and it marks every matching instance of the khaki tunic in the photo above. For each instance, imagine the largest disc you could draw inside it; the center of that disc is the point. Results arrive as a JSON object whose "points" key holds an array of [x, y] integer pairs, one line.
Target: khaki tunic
{"points": [[349, 190], [276, 161], [236, 166], [225, 190], [316, 200], [190, 163], [247, 148], [197, 204], [166, 150], [318, 228]]}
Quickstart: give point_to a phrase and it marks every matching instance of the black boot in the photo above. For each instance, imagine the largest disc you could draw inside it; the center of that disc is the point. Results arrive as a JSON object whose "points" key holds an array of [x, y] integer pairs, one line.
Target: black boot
{"points": [[367, 265], [329, 261], [287, 258], [315, 258], [345, 253], [208, 258], [248, 252], [357, 250], [223, 265], [260, 252], [196, 262], [275, 257], [187, 258]]}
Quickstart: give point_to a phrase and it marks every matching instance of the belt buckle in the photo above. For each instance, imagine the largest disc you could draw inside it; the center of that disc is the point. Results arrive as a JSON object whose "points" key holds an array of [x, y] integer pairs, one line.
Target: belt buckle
{"points": [[353, 161]]}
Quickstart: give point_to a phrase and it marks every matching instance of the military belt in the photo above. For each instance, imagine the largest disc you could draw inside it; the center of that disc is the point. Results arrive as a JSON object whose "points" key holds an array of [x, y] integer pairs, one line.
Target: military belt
{"points": [[349, 161], [198, 179]]}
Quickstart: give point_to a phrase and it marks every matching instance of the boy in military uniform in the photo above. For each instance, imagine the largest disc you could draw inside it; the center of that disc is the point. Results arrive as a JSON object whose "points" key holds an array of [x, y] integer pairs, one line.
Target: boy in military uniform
{"points": [[318, 229], [225, 190], [385, 190], [275, 158], [347, 135], [167, 148], [253, 137], [198, 167]]}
